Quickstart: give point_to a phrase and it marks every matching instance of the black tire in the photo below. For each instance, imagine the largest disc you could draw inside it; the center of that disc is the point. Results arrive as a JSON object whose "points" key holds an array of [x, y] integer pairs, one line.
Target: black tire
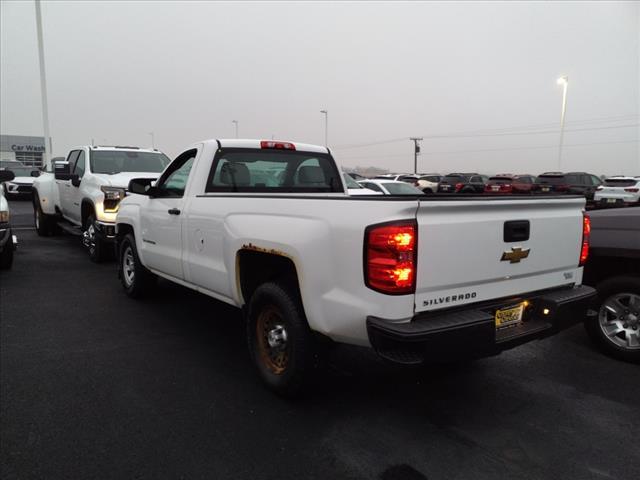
{"points": [[97, 248], [607, 289], [6, 257], [287, 371], [142, 281], [45, 224]]}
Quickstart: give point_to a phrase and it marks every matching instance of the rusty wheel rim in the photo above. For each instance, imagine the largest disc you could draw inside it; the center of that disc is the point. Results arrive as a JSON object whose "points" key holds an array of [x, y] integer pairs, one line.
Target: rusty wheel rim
{"points": [[272, 336]]}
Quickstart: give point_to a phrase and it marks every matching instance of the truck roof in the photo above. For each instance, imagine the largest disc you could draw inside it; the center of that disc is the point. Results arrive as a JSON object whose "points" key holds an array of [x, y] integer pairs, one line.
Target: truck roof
{"points": [[116, 148], [251, 143]]}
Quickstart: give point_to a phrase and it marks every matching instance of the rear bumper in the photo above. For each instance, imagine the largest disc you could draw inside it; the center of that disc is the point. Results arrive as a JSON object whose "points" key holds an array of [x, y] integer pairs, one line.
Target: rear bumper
{"points": [[471, 332]]}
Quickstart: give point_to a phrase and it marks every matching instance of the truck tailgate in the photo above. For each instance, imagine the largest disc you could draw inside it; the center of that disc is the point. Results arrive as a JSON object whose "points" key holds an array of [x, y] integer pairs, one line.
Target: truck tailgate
{"points": [[476, 250]]}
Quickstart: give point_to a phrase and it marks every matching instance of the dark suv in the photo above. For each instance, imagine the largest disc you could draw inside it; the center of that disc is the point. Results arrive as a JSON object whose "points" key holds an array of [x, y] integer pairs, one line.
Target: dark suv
{"points": [[574, 183], [462, 183]]}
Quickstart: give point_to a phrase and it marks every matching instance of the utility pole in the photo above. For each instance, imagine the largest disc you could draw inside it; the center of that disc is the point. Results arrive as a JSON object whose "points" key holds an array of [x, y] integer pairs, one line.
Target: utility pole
{"points": [[416, 151], [153, 140], [236, 123], [43, 90]]}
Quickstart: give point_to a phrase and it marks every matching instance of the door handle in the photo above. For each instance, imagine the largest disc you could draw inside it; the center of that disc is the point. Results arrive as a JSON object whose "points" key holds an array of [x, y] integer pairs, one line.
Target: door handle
{"points": [[174, 211]]}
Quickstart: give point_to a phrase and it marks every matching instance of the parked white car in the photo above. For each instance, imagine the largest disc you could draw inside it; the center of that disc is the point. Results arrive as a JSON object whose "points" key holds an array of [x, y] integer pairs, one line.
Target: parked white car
{"points": [[354, 188], [22, 182], [417, 279], [390, 187], [618, 191], [83, 193], [428, 182]]}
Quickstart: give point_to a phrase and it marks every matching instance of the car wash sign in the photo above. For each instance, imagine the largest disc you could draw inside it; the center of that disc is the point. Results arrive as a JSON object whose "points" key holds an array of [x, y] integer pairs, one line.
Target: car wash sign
{"points": [[21, 143]]}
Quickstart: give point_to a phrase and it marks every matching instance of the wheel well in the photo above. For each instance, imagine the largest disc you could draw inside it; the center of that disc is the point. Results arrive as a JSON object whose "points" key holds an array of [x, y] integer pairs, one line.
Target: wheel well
{"points": [[256, 268], [86, 210], [123, 229]]}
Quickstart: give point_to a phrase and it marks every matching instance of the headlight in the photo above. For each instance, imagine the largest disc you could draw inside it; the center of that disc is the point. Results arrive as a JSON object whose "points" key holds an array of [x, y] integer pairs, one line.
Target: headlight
{"points": [[112, 197], [4, 216]]}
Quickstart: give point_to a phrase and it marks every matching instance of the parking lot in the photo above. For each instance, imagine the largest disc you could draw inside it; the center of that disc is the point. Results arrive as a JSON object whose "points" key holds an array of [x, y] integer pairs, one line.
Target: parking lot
{"points": [[96, 385]]}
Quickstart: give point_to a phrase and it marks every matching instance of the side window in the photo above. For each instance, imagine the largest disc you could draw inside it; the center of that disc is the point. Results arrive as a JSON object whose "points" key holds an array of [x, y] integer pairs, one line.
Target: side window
{"points": [[174, 180], [595, 180], [73, 156], [372, 186], [80, 165]]}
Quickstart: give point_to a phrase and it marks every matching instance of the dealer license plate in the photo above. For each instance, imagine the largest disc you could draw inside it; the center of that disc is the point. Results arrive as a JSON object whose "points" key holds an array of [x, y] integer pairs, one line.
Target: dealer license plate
{"points": [[507, 317], [545, 189], [611, 200]]}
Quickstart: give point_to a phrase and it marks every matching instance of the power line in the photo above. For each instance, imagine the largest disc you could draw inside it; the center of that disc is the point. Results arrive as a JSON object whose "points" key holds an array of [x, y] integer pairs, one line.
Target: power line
{"points": [[501, 131], [490, 150]]}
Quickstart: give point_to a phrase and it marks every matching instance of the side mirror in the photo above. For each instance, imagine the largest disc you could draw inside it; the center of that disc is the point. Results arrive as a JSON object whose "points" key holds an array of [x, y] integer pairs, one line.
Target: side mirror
{"points": [[141, 186], [35, 173], [6, 175], [62, 170]]}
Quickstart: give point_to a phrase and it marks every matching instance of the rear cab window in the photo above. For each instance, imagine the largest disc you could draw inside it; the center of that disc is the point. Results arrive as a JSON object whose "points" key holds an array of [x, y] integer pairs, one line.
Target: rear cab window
{"points": [[247, 170], [620, 182]]}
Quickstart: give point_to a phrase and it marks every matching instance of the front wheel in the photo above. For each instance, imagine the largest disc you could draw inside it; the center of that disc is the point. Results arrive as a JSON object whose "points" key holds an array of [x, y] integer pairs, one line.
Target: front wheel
{"points": [[96, 246], [616, 327], [281, 343], [136, 280]]}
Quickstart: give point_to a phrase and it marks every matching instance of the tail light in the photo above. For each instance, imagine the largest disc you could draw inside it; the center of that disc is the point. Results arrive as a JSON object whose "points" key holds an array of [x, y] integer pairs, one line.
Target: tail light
{"points": [[506, 187], [277, 145], [459, 186], [390, 257], [562, 188], [586, 235], [632, 190]]}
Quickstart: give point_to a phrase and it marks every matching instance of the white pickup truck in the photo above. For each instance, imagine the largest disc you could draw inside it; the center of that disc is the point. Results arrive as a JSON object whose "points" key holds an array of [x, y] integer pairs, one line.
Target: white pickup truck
{"points": [[268, 227], [83, 193]]}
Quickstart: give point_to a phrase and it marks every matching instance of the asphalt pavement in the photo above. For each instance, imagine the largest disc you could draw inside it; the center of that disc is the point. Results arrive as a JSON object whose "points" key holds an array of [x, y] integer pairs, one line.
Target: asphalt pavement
{"points": [[96, 385]]}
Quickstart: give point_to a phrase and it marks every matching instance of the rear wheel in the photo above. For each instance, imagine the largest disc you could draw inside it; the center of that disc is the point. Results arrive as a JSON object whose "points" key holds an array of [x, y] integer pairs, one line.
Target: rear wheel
{"points": [[281, 343], [616, 327], [136, 280], [45, 224]]}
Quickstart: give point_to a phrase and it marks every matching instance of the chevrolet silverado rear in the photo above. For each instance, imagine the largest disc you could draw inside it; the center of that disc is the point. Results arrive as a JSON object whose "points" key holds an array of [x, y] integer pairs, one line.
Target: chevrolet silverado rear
{"points": [[269, 227]]}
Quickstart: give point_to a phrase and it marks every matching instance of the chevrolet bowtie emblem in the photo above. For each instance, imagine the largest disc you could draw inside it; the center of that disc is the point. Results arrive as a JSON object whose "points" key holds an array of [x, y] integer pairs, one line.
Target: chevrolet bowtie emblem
{"points": [[515, 255]]}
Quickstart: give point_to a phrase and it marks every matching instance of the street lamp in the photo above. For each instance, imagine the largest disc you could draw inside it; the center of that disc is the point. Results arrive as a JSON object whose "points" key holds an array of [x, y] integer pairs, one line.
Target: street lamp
{"points": [[564, 82], [236, 123], [326, 127]]}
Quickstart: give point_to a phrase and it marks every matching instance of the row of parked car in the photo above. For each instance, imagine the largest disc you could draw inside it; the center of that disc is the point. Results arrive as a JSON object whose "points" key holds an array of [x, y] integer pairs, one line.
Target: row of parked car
{"points": [[612, 191]]}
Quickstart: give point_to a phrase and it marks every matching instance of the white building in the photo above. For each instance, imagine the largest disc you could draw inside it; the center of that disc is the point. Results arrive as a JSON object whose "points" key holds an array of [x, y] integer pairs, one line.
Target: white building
{"points": [[25, 149]]}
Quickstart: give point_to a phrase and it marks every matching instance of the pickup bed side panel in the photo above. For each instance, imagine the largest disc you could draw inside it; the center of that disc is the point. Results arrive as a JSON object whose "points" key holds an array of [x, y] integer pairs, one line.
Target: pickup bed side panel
{"points": [[322, 237]]}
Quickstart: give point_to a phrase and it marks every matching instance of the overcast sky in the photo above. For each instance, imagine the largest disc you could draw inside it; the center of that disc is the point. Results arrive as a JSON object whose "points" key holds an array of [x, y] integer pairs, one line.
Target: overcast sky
{"points": [[384, 71]]}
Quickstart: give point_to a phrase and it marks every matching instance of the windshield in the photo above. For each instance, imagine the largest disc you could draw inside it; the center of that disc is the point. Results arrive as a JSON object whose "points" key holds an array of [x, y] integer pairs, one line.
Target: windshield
{"points": [[452, 179], [351, 183], [501, 180], [116, 161], [401, 188], [620, 182], [552, 180], [18, 169]]}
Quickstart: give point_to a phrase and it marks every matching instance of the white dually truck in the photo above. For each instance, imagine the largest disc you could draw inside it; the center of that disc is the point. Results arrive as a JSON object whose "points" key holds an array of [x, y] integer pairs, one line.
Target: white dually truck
{"points": [[268, 227], [82, 193]]}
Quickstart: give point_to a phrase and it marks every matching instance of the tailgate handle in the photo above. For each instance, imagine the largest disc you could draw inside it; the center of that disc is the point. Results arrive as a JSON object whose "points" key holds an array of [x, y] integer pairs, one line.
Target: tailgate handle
{"points": [[516, 230]]}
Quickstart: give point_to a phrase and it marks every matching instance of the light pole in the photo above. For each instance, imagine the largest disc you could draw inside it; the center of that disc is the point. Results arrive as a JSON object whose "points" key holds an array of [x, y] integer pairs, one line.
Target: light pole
{"points": [[326, 127], [236, 124], [416, 151], [153, 140], [43, 89], [564, 81]]}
